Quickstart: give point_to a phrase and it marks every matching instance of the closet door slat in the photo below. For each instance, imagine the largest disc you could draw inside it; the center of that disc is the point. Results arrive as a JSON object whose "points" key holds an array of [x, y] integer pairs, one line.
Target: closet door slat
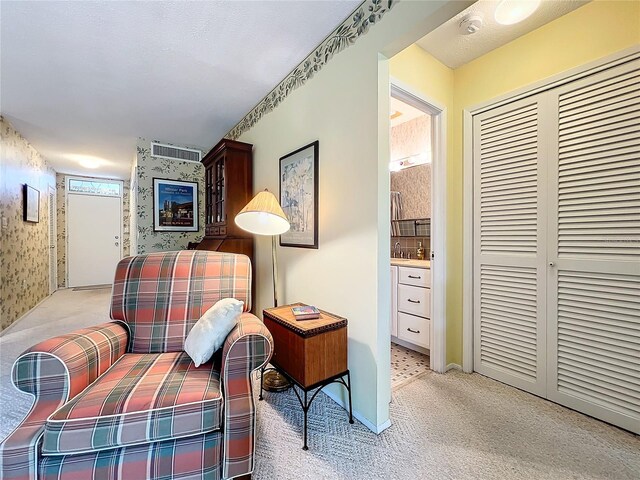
{"points": [[594, 245], [509, 336]]}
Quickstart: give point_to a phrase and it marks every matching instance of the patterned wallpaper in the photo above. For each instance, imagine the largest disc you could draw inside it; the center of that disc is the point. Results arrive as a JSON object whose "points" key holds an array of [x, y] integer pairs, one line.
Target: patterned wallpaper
{"points": [[62, 222], [413, 183], [24, 252], [410, 138], [147, 168]]}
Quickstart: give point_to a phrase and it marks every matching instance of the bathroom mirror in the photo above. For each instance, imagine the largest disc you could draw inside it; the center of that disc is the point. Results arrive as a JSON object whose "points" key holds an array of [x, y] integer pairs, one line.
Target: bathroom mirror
{"points": [[413, 227]]}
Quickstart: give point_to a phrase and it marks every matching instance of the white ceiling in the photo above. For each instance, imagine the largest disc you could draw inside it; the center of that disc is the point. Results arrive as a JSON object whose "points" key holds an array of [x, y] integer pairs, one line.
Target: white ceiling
{"points": [[401, 112], [453, 49], [88, 78]]}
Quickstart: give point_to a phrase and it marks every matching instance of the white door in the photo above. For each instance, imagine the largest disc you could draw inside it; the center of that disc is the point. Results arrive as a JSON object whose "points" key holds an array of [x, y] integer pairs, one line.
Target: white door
{"points": [[509, 246], [53, 249], [594, 247], [557, 244], [94, 235]]}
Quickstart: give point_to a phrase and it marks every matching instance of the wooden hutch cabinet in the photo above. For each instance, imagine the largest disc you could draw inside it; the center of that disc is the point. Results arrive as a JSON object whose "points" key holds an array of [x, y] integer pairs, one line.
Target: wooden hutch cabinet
{"points": [[228, 188]]}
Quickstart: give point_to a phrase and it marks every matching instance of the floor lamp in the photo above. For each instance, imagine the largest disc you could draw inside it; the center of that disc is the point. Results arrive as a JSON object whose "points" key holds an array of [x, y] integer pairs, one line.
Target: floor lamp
{"points": [[263, 215]]}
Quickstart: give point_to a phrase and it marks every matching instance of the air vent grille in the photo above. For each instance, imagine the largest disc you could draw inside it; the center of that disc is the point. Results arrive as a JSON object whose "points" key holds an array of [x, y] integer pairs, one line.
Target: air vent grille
{"points": [[175, 153]]}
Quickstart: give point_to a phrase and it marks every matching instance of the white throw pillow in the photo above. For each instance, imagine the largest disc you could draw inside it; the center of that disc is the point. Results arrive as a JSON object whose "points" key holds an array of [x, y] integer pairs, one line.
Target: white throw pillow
{"points": [[210, 331]]}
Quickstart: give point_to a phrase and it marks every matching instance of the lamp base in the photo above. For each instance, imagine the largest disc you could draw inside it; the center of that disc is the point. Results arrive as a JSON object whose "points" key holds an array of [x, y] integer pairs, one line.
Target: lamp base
{"points": [[273, 381]]}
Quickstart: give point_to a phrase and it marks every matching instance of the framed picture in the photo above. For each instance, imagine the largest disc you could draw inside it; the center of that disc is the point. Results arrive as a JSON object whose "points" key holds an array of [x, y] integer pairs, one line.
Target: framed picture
{"points": [[31, 204], [299, 196], [175, 206]]}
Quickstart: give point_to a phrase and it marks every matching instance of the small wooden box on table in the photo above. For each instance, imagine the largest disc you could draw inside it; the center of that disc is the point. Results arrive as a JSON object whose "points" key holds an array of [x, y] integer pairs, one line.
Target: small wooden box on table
{"points": [[310, 353]]}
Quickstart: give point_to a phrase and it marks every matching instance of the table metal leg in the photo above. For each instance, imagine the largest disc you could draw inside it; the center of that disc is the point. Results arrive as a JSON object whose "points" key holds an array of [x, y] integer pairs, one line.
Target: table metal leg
{"points": [[305, 408], [349, 390], [261, 384]]}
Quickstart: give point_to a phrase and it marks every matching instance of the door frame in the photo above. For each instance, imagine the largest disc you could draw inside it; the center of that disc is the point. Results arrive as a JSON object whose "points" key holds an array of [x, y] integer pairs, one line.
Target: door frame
{"points": [[66, 210], [53, 242], [553, 81], [438, 187]]}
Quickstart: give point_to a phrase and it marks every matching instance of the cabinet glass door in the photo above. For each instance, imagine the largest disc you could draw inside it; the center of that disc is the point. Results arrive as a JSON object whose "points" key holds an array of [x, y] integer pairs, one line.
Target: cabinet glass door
{"points": [[219, 186]]}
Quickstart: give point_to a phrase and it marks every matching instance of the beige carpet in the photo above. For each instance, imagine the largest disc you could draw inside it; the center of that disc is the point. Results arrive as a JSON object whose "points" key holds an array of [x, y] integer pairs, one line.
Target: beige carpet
{"points": [[452, 426]]}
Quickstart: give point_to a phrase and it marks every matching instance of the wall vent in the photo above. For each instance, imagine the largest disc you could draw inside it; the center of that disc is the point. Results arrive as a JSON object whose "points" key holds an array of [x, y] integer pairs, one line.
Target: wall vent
{"points": [[175, 153]]}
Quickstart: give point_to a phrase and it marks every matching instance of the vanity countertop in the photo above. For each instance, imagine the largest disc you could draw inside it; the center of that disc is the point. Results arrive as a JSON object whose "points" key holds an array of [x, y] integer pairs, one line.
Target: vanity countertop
{"points": [[403, 262]]}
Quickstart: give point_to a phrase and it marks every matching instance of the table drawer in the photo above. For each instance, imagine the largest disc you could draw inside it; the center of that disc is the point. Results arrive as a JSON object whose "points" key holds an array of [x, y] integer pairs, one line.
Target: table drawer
{"points": [[414, 300], [414, 329], [419, 277]]}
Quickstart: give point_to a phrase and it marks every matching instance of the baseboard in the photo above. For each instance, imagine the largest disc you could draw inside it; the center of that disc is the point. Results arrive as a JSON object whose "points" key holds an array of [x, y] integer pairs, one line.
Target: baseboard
{"points": [[453, 366], [10, 327], [377, 429], [410, 346]]}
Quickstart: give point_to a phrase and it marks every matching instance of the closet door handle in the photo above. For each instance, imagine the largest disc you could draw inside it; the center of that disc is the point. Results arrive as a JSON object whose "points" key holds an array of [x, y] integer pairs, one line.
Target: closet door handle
{"points": [[416, 278], [413, 301], [413, 331]]}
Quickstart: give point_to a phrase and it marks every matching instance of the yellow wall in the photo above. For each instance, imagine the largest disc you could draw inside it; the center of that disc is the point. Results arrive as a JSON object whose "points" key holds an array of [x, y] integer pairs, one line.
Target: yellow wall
{"points": [[593, 31]]}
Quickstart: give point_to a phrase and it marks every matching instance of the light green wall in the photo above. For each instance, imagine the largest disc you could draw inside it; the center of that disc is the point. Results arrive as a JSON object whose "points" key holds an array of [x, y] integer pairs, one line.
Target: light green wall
{"points": [[593, 31], [345, 107]]}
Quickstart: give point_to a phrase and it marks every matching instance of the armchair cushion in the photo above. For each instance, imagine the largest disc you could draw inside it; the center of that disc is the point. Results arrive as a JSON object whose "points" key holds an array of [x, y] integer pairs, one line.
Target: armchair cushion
{"points": [[210, 332], [143, 398]]}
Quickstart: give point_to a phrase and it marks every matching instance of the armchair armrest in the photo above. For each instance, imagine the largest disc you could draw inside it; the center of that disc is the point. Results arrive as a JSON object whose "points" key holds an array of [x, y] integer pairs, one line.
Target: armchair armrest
{"points": [[54, 371], [248, 347]]}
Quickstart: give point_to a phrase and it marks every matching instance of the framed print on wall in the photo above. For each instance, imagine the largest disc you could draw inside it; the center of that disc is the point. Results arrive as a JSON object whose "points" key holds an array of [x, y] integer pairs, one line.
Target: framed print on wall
{"points": [[31, 204], [299, 196], [175, 205]]}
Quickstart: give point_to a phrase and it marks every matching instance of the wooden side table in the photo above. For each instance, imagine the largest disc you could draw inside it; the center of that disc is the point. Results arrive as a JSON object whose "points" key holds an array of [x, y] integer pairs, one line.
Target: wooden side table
{"points": [[311, 354]]}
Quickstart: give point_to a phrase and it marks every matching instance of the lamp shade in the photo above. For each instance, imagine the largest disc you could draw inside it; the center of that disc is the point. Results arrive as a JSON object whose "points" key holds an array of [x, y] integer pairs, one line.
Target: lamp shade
{"points": [[263, 215]]}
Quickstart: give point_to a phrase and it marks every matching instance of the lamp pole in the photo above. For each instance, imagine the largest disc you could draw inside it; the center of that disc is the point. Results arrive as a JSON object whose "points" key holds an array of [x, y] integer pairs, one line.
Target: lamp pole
{"points": [[275, 270]]}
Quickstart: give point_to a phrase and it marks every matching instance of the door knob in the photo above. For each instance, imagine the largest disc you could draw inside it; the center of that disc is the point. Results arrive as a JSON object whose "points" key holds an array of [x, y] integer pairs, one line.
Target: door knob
{"points": [[117, 244], [117, 237], [551, 264]]}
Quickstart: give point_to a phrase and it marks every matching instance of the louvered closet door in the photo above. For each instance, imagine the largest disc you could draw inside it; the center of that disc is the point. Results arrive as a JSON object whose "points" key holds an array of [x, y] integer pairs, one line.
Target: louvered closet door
{"points": [[594, 247], [509, 245]]}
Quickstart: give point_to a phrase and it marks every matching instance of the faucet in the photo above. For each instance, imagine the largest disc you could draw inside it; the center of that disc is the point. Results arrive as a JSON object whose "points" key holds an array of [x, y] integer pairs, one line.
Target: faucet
{"points": [[396, 250]]}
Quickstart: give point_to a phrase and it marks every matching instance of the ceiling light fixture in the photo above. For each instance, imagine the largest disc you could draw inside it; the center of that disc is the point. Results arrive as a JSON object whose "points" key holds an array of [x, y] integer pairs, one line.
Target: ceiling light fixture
{"points": [[509, 12], [89, 163]]}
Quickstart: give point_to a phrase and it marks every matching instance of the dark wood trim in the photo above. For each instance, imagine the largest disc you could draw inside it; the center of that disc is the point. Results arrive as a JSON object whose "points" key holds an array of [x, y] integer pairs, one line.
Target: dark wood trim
{"points": [[316, 170]]}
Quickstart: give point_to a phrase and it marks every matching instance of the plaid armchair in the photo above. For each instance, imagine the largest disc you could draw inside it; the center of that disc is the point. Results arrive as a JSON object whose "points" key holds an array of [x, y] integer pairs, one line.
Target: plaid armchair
{"points": [[122, 400]]}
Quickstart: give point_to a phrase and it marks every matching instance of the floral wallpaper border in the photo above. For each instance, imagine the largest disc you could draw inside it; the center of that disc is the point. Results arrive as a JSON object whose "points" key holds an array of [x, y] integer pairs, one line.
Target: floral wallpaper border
{"points": [[345, 35]]}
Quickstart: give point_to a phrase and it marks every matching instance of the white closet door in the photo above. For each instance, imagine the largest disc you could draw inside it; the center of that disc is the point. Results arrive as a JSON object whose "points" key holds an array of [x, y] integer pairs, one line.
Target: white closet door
{"points": [[594, 247], [510, 245]]}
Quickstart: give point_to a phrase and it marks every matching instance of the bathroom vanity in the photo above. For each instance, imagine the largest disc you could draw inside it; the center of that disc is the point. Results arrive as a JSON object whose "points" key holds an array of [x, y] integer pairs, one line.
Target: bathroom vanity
{"points": [[411, 303]]}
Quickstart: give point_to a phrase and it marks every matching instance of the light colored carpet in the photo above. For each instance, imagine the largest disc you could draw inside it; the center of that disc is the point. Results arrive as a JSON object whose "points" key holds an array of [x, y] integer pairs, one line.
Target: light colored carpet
{"points": [[453, 426]]}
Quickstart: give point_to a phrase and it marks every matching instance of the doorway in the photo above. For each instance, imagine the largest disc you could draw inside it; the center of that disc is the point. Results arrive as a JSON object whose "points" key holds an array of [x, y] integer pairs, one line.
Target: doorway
{"points": [[94, 231], [417, 274]]}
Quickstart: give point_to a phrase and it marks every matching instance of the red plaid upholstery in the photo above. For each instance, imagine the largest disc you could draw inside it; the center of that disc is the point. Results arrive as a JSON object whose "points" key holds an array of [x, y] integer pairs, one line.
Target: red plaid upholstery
{"points": [[144, 398], [55, 371], [188, 458], [162, 295], [149, 394], [249, 346]]}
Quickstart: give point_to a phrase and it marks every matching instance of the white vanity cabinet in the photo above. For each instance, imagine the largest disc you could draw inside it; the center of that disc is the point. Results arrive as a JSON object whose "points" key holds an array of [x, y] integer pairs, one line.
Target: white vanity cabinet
{"points": [[411, 296]]}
